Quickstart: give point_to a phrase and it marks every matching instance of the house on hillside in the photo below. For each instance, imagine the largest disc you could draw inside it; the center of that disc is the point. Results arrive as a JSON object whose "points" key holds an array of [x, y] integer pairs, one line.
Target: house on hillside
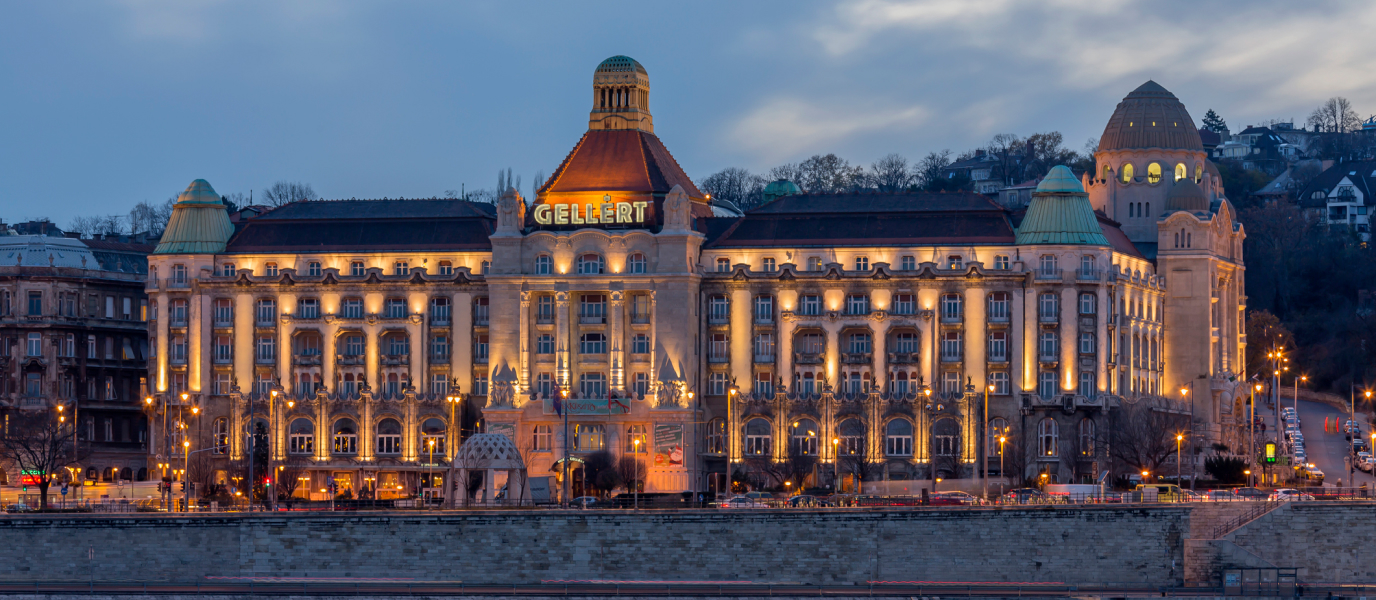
{"points": [[1343, 195]]}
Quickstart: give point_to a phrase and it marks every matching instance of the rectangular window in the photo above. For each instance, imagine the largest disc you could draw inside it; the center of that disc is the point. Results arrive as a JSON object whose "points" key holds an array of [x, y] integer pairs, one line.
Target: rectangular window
{"points": [[1087, 343], [109, 307], [952, 347], [224, 349], [1049, 307], [904, 304], [178, 313], [35, 346], [227, 270], [353, 345], [719, 309], [91, 346], [266, 311], [224, 312], [999, 381], [716, 384], [1046, 386], [640, 344], [35, 304], [769, 266], [1088, 304], [439, 348], [480, 311], [396, 308], [222, 383], [764, 347], [719, 348], [266, 349], [589, 437], [907, 263], [313, 269], [594, 385], [309, 308], [950, 383], [1001, 262], [814, 264], [764, 383], [640, 308], [352, 308], [998, 307], [401, 267], [544, 384], [128, 305], [858, 304], [952, 308], [905, 343], [543, 438], [544, 344], [592, 309], [641, 385], [810, 305], [480, 345], [862, 263], [764, 309], [356, 268], [998, 346], [480, 384]]}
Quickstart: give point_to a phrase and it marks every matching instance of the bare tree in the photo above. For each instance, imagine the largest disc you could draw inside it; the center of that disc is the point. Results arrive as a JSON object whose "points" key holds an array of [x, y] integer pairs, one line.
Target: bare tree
{"points": [[1335, 115], [931, 169], [40, 444], [891, 173], [632, 471], [790, 171], [289, 477], [88, 226], [149, 217], [829, 174], [1142, 435], [286, 192], [735, 185], [1008, 149]]}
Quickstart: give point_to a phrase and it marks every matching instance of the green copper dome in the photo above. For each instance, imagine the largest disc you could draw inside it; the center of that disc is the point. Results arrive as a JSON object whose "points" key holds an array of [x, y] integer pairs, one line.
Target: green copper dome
{"points": [[778, 189], [199, 223], [1060, 213], [1060, 181]]}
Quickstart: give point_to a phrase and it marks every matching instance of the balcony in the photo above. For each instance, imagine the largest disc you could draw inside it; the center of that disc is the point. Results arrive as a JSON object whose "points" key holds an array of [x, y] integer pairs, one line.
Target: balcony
{"points": [[640, 318], [480, 359], [304, 360], [224, 323], [438, 321], [764, 319], [1087, 274], [177, 322], [349, 359], [223, 358], [718, 358], [265, 359], [1048, 274], [856, 358], [261, 322], [173, 284], [439, 359], [480, 320], [1001, 319], [1049, 318], [1048, 358], [592, 319], [951, 358], [998, 358], [718, 319], [904, 358], [807, 358], [950, 318], [764, 359], [544, 319], [395, 360]]}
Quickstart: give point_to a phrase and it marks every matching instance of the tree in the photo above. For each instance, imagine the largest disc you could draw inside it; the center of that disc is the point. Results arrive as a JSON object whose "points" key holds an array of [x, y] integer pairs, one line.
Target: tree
{"points": [[1335, 115], [40, 444], [631, 471], [1226, 469], [735, 185], [828, 174], [1213, 122], [286, 192], [1046, 152], [88, 226], [1008, 149], [289, 477], [1142, 437], [930, 172], [890, 174], [149, 217]]}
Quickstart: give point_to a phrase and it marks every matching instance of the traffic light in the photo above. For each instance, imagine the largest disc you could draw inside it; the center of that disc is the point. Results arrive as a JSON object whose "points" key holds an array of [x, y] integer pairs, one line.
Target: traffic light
{"points": [[267, 482], [183, 487], [1270, 457]]}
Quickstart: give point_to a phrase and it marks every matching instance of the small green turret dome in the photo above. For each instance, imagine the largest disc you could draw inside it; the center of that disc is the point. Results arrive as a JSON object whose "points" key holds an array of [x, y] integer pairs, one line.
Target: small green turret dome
{"points": [[1060, 180], [199, 222], [1060, 213], [778, 189]]}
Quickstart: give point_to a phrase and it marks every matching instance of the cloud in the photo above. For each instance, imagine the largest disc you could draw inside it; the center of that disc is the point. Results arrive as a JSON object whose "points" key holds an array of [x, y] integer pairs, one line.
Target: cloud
{"points": [[782, 126]]}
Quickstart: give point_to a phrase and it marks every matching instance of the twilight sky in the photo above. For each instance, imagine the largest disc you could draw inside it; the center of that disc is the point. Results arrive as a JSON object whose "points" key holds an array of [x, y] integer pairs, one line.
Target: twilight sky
{"points": [[104, 104]]}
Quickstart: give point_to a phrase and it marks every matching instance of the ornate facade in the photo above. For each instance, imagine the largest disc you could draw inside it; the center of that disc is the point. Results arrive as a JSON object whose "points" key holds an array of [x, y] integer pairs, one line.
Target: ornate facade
{"points": [[860, 335]]}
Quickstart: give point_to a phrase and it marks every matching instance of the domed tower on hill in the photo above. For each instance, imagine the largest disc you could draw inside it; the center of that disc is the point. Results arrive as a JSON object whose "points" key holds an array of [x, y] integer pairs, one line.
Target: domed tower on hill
{"points": [[621, 96], [1149, 144]]}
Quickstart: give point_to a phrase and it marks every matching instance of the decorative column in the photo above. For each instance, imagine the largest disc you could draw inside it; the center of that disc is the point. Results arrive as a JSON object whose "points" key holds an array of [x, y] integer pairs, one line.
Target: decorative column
{"points": [[788, 323], [1104, 310], [616, 366], [561, 336], [739, 330], [243, 340], [461, 359], [654, 329], [329, 353], [1069, 330], [286, 328], [976, 337], [524, 346]]}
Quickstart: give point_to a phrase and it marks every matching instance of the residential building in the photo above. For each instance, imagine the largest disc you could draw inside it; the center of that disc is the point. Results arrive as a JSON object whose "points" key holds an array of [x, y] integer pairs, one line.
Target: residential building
{"points": [[1342, 195], [73, 336]]}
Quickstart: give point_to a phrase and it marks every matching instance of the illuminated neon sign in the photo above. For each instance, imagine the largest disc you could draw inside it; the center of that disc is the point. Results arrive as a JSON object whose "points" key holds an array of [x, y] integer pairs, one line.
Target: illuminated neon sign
{"points": [[606, 212]]}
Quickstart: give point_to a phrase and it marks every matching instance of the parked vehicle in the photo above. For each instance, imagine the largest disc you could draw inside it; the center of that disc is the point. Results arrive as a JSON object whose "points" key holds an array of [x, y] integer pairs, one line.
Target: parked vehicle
{"points": [[1290, 494], [955, 497], [1024, 496], [1220, 496], [1251, 493], [1164, 492], [584, 502], [1364, 461], [743, 502], [1311, 473], [806, 501]]}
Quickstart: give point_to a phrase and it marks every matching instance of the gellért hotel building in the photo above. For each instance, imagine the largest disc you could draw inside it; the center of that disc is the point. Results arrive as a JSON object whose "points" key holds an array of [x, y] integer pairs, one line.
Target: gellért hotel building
{"points": [[862, 327]]}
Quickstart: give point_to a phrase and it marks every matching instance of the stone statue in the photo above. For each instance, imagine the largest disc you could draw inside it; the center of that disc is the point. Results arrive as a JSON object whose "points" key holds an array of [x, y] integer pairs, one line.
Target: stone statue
{"points": [[677, 209], [503, 392], [511, 211]]}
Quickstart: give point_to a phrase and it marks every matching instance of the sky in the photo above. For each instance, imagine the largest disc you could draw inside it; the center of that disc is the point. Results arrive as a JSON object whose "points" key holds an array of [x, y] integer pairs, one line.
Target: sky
{"points": [[105, 104]]}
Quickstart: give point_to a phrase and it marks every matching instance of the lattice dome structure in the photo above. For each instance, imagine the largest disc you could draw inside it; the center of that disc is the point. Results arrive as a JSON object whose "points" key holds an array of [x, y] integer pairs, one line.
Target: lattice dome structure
{"points": [[489, 451]]}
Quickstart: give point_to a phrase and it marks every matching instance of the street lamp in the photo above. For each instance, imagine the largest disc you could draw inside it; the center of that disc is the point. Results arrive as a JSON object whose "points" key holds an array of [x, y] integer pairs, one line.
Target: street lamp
{"points": [[1002, 476], [836, 462], [186, 465], [635, 473], [984, 437], [1144, 476], [1178, 439]]}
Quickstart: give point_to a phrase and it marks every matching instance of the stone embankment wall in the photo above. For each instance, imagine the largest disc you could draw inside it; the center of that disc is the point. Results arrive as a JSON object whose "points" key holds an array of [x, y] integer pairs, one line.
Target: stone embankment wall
{"points": [[1044, 544], [1325, 541]]}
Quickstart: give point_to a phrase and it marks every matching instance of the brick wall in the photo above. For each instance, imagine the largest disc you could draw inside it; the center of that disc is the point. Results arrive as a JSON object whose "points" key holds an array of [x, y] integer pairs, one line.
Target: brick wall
{"points": [[1072, 544]]}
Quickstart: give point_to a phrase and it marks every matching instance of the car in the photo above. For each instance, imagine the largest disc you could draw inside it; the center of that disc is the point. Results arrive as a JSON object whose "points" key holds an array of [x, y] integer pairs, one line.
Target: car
{"points": [[1311, 473], [1024, 496], [1251, 493], [957, 497], [806, 501], [1220, 496], [743, 502], [583, 502], [1289, 494], [1359, 445], [1351, 427], [1364, 461]]}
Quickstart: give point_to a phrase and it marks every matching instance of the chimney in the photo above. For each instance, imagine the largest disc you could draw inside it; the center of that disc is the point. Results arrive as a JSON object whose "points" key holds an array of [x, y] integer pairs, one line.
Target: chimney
{"points": [[979, 152]]}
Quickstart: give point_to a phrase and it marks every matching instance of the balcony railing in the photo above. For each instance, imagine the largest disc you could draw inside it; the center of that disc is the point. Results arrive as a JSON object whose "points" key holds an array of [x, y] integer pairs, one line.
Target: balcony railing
{"points": [[1087, 274], [1049, 317], [264, 360], [592, 319], [718, 358], [395, 359], [764, 359], [640, 318], [904, 358], [718, 319], [1003, 318], [439, 321], [350, 359], [480, 359], [856, 358], [950, 357], [950, 317], [807, 358], [1048, 274], [305, 359], [1048, 358], [998, 358]]}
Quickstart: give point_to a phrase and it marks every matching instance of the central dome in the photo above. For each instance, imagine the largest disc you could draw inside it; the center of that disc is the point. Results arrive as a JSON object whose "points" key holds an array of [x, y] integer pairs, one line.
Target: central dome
{"points": [[1150, 117], [620, 64]]}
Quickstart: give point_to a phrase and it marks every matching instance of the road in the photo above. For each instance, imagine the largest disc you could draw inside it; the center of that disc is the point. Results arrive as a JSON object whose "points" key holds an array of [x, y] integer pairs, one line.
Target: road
{"points": [[1328, 450]]}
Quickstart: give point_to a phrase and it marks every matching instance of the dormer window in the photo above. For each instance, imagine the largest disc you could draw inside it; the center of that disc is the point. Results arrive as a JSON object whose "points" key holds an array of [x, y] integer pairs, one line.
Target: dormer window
{"points": [[862, 263], [227, 270], [269, 269], [356, 268], [723, 265], [313, 268], [955, 262], [769, 266], [814, 264], [446, 268], [401, 267]]}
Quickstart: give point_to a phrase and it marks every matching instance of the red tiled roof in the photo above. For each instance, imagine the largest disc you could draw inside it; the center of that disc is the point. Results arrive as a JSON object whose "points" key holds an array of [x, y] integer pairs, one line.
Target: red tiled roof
{"points": [[620, 161], [1116, 237]]}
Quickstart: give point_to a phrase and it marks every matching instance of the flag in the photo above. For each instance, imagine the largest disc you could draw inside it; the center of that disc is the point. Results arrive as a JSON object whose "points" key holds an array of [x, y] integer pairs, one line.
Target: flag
{"points": [[558, 406]]}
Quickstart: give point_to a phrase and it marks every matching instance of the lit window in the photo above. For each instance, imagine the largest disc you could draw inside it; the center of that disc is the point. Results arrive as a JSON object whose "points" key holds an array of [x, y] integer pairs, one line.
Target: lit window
{"points": [[955, 262], [1127, 173], [1001, 262], [898, 438], [1048, 437], [636, 264], [814, 264], [1154, 173], [1180, 171]]}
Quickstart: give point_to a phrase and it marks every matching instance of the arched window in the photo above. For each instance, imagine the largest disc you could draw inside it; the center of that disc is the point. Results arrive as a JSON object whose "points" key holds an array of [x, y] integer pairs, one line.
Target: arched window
{"points": [[804, 433], [1086, 437], [636, 264], [590, 264], [301, 437], [898, 438], [544, 265], [1198, 173], [998, 428], [389, 437], [1108, 173], [852, 437], [1181, 172], [345, 437], [1048, 437], [1127, 173], [432, 434], [219, 435], [758, 441], [1154, 173], [716, 436]]}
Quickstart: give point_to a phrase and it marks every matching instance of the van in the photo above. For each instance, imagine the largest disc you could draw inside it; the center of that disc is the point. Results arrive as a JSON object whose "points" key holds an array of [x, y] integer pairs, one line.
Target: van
{"points": [[1163, 492]]}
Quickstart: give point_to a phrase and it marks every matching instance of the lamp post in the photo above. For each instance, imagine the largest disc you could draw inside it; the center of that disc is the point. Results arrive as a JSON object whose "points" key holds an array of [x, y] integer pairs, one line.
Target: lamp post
{"points": [[430, 469], [836, 462], [635, 473], [1188, 392], [1296, 398], [186, 465], [1178, 439], [454, 397], [1002, 476], [563, 408], [984, 441]]}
